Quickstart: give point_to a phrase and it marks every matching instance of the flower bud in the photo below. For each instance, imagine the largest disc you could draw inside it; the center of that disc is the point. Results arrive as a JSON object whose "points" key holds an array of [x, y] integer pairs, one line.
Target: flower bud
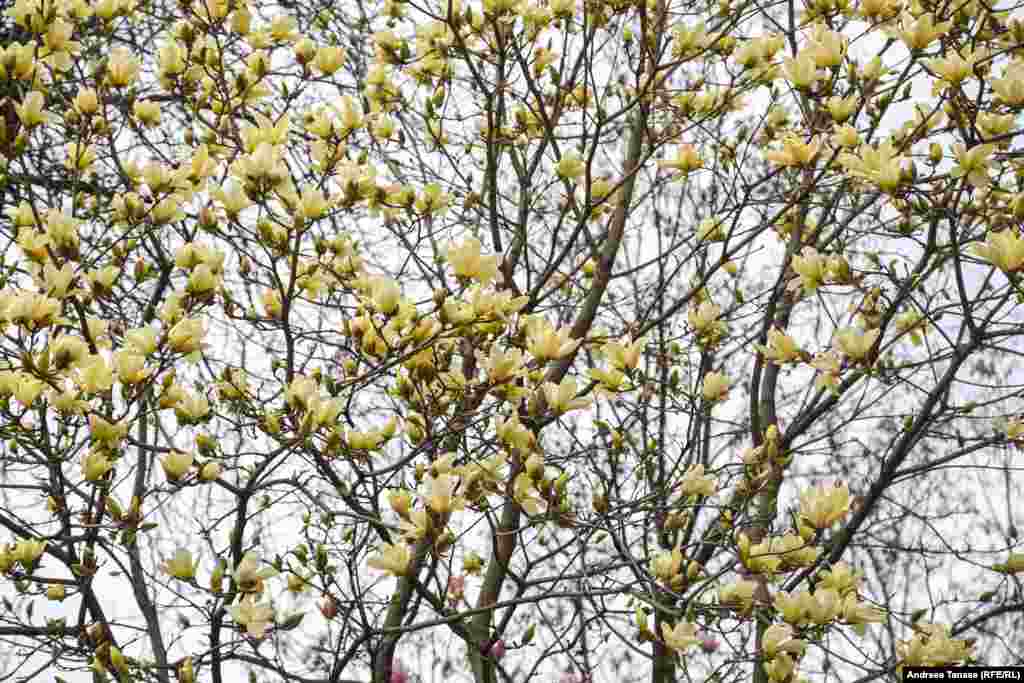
{"points": [[210, 471], [186, 671]]}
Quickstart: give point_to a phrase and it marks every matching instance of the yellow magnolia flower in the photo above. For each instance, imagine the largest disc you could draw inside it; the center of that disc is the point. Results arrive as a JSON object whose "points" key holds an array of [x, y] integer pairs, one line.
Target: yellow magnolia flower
{"points": [[172, 56], [688, 40], [467, 262], [122, 67], [1010, 88], [795, 551], [1004, 250], [181, 565], [131, 367], [255, 617], [740, 594], [855, 343], [561, 398], [329, 58], [31, 111], [68, 401], [305, 51], [704, 316], [840, 577], [176, 464], [79, 156], [27, 551], [143, 340], [94, 375], [1013, 565], [312, 202], [439, 494], [920, 32], [823, 506], [667, 566], [845, 136], [795, 152], [34, 244], [681, 637], [202, 279], [695, 483], [791, 607], [953, 68], [856, 612], [393, 559], [105, 432], [706, 321], [878, 9], [147, 112], [502, 366], [524, 494], [812, 267], [187, 335], [827, 48], [624, 356], [546, 343], [232, 198], [86, 101], [472, 563], [973, 164], [829, 366], [487, 473], [28, 389], [715, 387], [842, 108], [186, 671], [802, 70], [880, 166], [514, 434], [823, 606], [781, 348], [95, 465], [210, 471], [248, 575], [611, 380], [386, 295], [780, 668], [400, 501], [779, 638], [416, 527], [932, 646], [687, 159], [264, 163], [762, 558], [570, 166]]}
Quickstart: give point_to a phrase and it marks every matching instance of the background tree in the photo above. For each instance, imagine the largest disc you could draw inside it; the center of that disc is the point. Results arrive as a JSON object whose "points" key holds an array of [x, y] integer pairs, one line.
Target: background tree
{"points": [[614, 341]]}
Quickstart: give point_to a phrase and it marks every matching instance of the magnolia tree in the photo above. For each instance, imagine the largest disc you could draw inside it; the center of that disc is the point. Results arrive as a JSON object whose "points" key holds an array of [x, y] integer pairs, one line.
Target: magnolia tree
{"points": [[532, 339]]}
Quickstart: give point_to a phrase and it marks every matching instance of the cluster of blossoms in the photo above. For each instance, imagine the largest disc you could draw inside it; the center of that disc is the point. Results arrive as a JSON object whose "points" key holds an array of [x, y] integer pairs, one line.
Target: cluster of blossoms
{"points": [[481, 340], [248, 584]]}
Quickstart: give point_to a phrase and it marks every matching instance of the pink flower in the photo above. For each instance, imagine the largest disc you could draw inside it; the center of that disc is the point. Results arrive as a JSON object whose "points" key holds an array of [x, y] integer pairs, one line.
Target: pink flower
{"points": [[497, 649], [709, 644], [398, 674], [569, 677]]}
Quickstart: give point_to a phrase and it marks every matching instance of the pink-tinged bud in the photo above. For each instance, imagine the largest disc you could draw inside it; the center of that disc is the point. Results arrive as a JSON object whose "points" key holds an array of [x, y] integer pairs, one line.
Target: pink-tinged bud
{"points": [[398, 674], [497, 650], [329, 607], [568, 677], [456, 589], [709, 644]]}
